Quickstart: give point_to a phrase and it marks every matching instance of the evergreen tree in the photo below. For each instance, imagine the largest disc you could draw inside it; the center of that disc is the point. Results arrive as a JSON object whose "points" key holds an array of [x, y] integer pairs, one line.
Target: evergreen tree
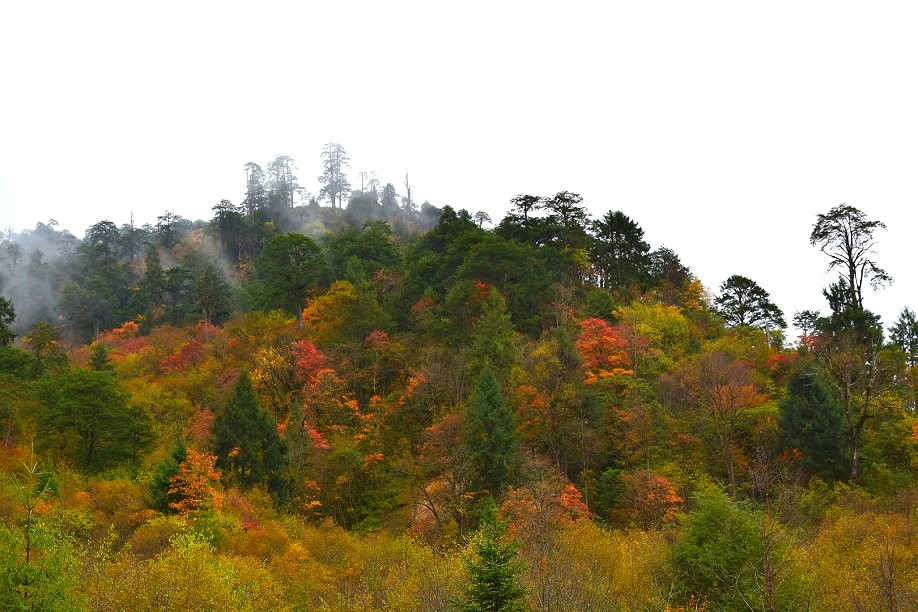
{"points": [[99, 359], [247, 444], [289, 268], [812, 421], [904, 334], [618, 252], [491, 435], [212, 296], [494, 571], [493, 338], [160, 499], [7, 316], [335, 186], [86, 414]]}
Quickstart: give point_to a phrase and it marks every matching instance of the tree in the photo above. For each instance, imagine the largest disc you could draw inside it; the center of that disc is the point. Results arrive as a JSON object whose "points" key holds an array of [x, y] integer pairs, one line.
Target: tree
{"points": [[246, 441], [7, 316], [493, 567], [30, 488], [493, 342], [724, 388], [491, 435], [178, 292], [335, 186], [87, 415], [618, 252], [289, 268], [857, 368], [805, 321], [255, 197], [719, 556], [846, 236], [194, 484], [281, 186], [670, 276], [904, 334], [229, 225], [211, 296], [161, 498], [345, 313], [389, 202], [812, 421], [743, 303], [569, 218], [152, 283], [167, 230], [604, 352], [519, 225]]}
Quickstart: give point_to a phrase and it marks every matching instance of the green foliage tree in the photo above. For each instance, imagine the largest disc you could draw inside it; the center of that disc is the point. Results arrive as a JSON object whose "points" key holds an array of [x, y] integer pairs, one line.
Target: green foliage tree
{"points": [[669, 275], [87, 416], [846, 236], [212, 297], [743, 303], [99, 359], [160, 498], [255, 195], [282, 188], [43, 341], [493, 343], [904, 334], [363, 252], [812, 421], [246, 441], [335, 185], [229, 225], [618, 252], [719, 554], [490, 435], [289, 268], [568, 220], [494, 571], [178, 293], [7, 316]]}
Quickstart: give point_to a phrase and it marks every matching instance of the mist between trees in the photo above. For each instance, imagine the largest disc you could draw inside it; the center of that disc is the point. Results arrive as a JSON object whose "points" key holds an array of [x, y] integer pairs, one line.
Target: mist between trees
{"points": [[351, 401]]}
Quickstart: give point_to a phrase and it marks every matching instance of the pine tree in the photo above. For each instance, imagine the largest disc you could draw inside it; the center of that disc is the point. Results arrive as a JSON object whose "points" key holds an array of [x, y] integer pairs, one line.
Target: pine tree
{"points": [[812, 422], [493, 568], [160, 499], [248, 447], [491, 435], [493, 338]]}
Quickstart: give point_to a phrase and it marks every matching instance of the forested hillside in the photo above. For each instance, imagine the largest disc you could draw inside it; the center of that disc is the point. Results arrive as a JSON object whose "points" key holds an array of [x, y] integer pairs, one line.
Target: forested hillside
{"points": [[368, 404]]}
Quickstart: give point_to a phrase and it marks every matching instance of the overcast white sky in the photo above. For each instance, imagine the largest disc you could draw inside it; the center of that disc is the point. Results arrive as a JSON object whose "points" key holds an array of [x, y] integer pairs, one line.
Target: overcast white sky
{"points": [[722, 128]]}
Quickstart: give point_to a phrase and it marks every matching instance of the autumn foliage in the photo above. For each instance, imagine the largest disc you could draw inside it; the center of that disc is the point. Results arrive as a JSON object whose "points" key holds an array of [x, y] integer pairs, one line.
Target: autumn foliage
{"points": [[604, 352]]}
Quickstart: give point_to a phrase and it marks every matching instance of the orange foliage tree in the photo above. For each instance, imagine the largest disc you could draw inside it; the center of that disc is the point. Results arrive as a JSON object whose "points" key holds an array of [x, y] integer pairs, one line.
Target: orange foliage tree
{"points": [[195, 484], [604, 352]]}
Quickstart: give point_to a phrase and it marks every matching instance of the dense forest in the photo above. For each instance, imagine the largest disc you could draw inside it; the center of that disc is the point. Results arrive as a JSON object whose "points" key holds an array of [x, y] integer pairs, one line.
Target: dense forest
{"points": [[355, 402]]}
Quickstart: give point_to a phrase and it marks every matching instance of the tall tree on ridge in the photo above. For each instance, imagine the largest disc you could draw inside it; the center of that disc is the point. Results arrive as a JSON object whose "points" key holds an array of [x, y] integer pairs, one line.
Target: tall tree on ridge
{"points": [[743, 303], [335, 186], [846, 236], [618, 251], [254, 190]]}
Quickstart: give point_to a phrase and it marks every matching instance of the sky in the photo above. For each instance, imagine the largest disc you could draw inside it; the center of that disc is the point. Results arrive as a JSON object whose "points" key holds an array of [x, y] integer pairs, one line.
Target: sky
{"points": [[722, 128]]}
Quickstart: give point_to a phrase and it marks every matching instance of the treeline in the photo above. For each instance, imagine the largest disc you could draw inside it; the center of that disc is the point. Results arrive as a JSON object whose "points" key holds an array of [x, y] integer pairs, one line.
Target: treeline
{"points": [[369, 406]]}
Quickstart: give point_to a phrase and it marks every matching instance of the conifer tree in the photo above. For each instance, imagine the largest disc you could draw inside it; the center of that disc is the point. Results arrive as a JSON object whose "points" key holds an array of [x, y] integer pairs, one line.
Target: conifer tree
{"points": [[493, 568], [160, 499], [812, 422], [491, 435], [248, 447], [492, 338]]}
